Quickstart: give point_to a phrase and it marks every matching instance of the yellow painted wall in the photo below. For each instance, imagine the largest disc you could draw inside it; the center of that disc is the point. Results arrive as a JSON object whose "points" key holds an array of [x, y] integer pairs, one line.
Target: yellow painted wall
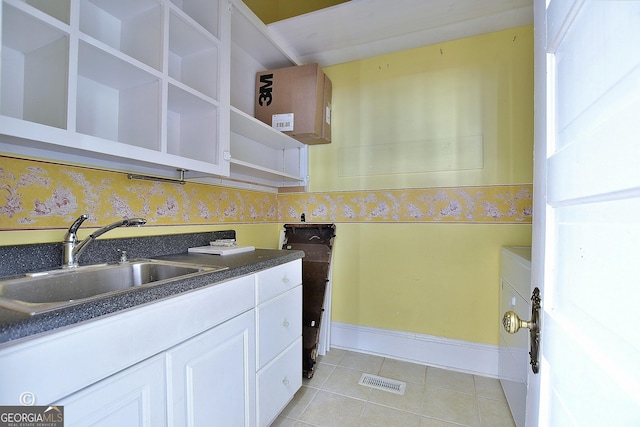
{"points": [[434, 279], [275, 10], [475, 87], [430, 278]]}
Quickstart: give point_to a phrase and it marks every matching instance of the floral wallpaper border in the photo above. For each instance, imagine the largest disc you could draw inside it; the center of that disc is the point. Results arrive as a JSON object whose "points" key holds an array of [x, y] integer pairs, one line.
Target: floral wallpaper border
{"points": [[38, 195], [44, 195], [487, 204]]}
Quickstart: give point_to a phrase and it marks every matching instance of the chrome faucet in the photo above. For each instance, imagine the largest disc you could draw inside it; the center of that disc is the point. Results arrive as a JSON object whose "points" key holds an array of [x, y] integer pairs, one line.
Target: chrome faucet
{"points": [[72, 249]]}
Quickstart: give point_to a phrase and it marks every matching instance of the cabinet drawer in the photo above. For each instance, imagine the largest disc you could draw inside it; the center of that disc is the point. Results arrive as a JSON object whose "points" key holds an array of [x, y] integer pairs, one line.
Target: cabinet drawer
{"points": [[279, 324], [278, 382], [277, 280]]}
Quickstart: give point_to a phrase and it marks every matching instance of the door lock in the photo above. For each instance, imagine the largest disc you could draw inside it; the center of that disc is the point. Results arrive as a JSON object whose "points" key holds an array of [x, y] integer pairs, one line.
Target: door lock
{"points": [[512, 324]]}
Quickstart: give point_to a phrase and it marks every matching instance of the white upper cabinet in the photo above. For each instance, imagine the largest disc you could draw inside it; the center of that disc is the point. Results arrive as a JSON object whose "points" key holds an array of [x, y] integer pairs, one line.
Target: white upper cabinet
{"points": [[131, 84], [149, 86], [135, 84]]}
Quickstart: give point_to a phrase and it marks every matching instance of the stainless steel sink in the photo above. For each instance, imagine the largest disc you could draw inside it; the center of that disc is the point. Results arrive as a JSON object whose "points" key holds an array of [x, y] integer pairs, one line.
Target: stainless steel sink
{"points": [[50, 290]]}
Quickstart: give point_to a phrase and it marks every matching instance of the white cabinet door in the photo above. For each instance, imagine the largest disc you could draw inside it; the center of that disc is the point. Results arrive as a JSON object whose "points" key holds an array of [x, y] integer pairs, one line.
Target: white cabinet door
{"points": [[211, 377], [133, 397]]}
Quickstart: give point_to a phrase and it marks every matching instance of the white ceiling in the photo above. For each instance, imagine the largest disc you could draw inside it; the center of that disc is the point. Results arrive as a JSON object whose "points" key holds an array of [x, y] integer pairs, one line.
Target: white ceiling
{"points": [[363, 28]]}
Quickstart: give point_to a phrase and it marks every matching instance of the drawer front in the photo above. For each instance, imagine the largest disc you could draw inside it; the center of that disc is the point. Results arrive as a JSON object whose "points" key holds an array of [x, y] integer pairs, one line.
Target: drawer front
{"points": [[278, 382], [279, 324], [277, 280]]}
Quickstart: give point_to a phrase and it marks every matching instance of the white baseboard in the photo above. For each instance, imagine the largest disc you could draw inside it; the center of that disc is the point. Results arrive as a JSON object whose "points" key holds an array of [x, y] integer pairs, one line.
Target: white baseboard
{"points": [[464, 356]]}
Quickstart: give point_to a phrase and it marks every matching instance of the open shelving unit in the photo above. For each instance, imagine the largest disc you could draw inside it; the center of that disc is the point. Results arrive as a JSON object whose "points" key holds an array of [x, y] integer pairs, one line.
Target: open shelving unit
{"points": [[258, 150], [129, 82], [148, 86]]}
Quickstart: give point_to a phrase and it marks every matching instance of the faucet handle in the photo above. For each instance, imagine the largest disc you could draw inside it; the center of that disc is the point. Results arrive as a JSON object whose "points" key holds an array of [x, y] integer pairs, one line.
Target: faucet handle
{"points": [[74, 227], [123, 256]]}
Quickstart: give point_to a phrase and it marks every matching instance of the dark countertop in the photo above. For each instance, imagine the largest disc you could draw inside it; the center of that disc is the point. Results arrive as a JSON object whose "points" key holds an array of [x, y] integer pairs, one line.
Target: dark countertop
{"points": [[16, 326]]}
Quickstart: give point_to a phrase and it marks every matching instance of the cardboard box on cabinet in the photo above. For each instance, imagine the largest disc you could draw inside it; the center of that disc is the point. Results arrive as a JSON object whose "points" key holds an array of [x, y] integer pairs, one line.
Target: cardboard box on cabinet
{"points": [[297, 101]]}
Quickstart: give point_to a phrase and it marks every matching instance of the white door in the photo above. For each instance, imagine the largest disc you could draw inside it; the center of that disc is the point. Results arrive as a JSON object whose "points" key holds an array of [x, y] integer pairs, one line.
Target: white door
{"points": [[586, 248]]}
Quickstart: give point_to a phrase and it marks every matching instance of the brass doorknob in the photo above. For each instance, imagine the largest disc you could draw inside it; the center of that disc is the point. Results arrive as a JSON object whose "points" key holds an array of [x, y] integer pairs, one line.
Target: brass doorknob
{"points": [[512, 322]]}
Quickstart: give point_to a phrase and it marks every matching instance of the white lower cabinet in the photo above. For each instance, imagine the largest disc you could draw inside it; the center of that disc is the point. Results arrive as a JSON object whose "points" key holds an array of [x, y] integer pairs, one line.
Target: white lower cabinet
{"points": [[192, 360], [133, 397], [210, 377], [207, 380]]}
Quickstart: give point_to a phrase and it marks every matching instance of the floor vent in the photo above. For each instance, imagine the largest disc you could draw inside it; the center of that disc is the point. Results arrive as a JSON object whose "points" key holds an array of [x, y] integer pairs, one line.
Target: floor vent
{"points": [[381, 383]]}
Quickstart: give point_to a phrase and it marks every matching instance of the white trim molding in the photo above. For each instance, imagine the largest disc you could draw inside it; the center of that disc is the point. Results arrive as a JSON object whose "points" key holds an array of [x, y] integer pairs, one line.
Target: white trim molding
{"points": [[457, 355]]}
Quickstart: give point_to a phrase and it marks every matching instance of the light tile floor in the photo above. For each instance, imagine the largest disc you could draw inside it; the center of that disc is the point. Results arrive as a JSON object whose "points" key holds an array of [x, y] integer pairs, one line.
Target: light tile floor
{"points": [[433, 397]]}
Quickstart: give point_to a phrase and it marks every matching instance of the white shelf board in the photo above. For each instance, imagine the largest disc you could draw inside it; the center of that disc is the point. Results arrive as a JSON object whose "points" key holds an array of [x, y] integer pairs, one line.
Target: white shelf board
{"points": [[112, 64], [254, 129], [246, 168], [183, 89]]}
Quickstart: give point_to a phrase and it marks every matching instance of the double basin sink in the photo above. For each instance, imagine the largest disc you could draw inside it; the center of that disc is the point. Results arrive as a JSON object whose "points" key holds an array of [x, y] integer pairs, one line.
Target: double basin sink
{"points": [[36, 293]]}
